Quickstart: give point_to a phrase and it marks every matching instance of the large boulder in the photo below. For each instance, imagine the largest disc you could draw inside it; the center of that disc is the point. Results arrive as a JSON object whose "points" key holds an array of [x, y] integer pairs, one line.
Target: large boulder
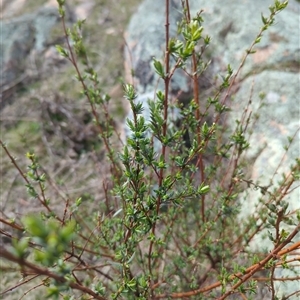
{"points": [[232, 28], [273, 71], [24, 43]]}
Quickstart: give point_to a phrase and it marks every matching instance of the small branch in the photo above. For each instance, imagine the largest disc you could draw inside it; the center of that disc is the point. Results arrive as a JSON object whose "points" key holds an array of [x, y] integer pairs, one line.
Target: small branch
{"points": [[43, 271], [279, 251]]}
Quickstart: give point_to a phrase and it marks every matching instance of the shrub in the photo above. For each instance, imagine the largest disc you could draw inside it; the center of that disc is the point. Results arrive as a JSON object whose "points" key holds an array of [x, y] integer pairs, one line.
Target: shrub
{"points": [[169, 224]]}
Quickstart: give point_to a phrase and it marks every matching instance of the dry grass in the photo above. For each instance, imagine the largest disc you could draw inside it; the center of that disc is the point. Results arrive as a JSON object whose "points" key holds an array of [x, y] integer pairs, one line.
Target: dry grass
{"points": [[50, 118]]}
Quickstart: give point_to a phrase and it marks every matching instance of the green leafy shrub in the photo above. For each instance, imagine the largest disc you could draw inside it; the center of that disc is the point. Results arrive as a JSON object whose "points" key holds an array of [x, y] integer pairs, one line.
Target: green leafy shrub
{"points": [[169, 225]]}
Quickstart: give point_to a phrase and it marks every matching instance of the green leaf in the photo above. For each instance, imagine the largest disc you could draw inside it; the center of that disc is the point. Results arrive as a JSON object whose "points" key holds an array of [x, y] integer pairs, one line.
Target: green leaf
{"points": [[203, 189], [264, 20], [258, 39], [158, 68], [35, 226], [62, 51]]}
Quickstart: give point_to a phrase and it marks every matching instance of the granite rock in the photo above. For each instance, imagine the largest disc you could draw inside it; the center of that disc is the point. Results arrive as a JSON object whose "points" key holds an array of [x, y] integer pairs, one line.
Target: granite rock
{"points": [[273, 70], [24, 41]]}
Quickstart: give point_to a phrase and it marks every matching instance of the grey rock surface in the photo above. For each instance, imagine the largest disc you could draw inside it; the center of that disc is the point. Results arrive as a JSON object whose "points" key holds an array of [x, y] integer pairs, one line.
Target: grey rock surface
{"points": [[23, 40], [273, 70], [145, 40], [234, 27]]}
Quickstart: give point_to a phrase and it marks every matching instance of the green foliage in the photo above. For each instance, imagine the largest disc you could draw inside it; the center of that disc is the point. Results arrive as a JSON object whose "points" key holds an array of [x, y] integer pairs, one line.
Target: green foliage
{"points": [[51, 236], [170, 225]]}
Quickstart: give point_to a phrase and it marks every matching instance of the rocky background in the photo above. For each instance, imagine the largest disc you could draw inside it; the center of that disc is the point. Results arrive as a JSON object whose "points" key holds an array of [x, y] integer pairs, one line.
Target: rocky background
{"points": [[39, 110], [273, 71]]}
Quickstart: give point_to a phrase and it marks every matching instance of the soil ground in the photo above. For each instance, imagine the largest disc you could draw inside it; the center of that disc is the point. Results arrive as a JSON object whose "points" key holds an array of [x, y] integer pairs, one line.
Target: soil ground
{"points": [[49, 117]]}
